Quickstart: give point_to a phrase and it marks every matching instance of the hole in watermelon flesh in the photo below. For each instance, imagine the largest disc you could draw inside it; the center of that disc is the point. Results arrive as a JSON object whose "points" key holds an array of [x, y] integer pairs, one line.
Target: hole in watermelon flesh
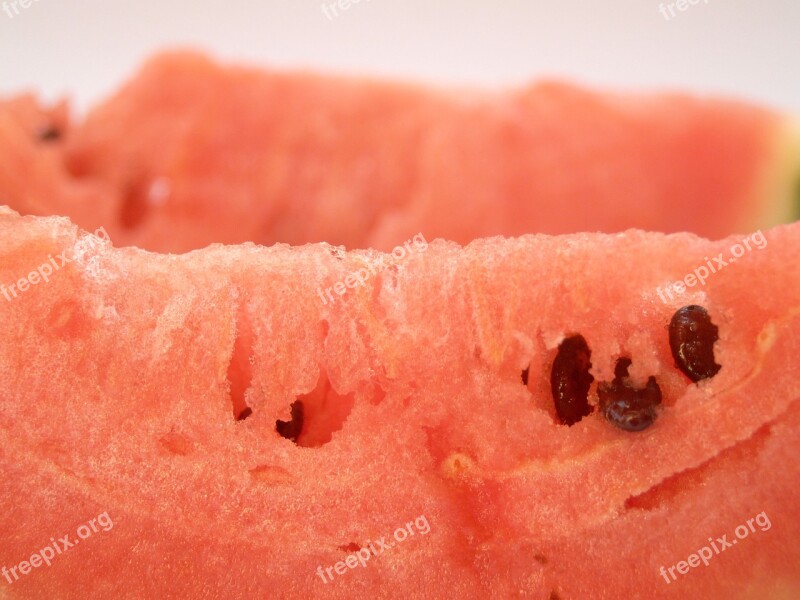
{"points": [[570, 380], [240, 369], [316, 416], [292, 428], [621, 368], [378, 394]]}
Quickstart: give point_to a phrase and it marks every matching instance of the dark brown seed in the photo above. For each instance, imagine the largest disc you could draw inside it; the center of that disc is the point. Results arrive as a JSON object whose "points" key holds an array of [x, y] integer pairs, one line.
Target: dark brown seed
{"points": [[570, 380], [525, 376], [292, 429], [623, 405], [49, 133], [691, 338]]}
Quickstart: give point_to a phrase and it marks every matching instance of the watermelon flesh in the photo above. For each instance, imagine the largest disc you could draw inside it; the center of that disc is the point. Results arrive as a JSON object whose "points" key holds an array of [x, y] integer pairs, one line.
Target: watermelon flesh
{"points": [[128, 374], [190, 153]]}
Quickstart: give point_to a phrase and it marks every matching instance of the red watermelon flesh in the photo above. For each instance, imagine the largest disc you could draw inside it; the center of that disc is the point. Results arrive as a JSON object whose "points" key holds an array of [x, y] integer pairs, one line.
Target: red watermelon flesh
{"points": [[33, 176], [125, 373], [190, 152]]}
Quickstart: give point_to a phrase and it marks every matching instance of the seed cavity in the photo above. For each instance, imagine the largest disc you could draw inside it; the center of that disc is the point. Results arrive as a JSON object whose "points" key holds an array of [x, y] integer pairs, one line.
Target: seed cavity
{"points": [[271, 475], [134, 206], [176, 443], [292, 429], [525, 376], [692, 335], [627, 407], [570, 380]]}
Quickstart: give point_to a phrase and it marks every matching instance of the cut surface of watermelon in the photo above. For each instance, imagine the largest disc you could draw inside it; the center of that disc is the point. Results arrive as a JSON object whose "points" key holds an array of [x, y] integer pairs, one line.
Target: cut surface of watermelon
{"points": [[190, 152], [149, 388]]}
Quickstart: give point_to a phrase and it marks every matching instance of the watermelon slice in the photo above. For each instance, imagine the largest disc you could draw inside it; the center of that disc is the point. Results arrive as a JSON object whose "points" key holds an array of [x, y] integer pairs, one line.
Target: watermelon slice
{"points": [[249, 440], [190, 152]]}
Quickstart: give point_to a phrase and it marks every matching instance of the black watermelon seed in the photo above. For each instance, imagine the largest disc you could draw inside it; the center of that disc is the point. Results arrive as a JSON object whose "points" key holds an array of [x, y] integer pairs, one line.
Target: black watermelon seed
{"points": [[525, 376], [691, 338], [570, 380], [292, 429], [623, 405]]}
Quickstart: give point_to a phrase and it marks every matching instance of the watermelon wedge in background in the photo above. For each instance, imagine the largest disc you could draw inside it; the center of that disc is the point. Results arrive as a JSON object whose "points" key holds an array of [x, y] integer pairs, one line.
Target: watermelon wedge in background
{"points": [[190, 152], [244, 434]]}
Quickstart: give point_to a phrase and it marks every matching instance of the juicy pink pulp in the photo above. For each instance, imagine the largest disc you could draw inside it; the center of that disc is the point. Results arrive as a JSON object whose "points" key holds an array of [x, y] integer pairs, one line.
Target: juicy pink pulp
{"points": [[120, 396]]}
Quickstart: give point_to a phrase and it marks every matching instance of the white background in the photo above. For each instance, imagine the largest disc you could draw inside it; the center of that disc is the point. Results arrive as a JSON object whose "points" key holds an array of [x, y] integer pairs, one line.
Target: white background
{"points": [[744, 48]]}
